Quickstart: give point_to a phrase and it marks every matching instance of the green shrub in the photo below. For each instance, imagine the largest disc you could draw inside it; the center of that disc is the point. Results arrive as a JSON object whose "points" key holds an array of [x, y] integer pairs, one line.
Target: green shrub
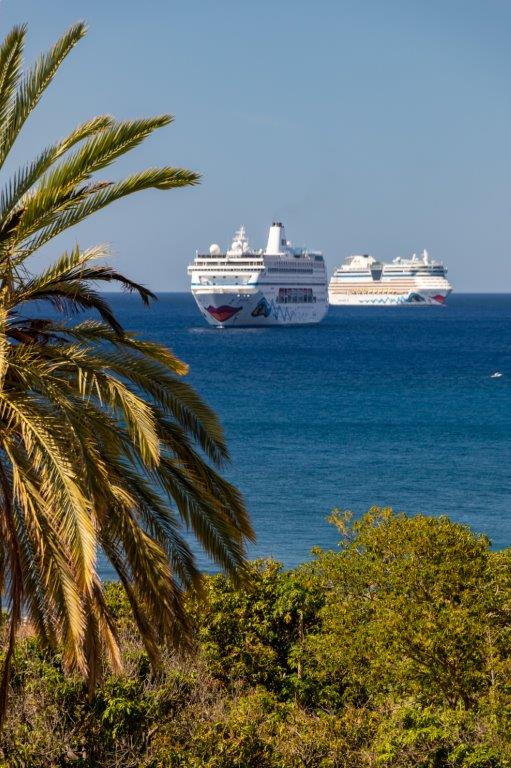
{"points": [[394, 652]]}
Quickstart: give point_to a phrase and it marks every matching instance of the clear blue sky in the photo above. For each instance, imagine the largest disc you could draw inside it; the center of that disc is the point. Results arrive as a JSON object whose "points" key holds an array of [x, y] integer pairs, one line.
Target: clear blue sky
{"points": [[380, 126]]}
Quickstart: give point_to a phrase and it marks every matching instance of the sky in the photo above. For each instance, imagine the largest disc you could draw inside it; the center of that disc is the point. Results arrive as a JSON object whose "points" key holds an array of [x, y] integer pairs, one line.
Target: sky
{"points": [[366, 126]]}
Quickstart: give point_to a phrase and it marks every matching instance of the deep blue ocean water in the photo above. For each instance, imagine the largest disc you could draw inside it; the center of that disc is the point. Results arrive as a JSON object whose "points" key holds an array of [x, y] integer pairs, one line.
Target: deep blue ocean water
{"points": [[388, 406]]}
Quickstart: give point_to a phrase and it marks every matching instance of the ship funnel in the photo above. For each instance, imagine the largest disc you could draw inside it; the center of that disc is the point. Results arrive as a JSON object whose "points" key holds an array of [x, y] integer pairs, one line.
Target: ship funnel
{"points": [[276, 238]]}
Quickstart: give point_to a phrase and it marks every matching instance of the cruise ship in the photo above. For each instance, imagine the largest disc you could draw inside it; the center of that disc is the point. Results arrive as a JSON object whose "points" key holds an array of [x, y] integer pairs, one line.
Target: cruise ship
{"points": [[362, 280], [281, 285]]}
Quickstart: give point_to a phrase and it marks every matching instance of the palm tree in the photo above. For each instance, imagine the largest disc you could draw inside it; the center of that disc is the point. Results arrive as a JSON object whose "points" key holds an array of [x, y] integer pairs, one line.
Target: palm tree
{"points": [[102, 444]]}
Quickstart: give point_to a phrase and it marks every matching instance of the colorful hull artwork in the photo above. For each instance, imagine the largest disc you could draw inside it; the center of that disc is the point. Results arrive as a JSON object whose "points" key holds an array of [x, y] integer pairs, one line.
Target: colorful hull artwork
{"points": [[242, 287], [224, 313], [262, 309], [255, 309], [387, 299], [417, 298]]}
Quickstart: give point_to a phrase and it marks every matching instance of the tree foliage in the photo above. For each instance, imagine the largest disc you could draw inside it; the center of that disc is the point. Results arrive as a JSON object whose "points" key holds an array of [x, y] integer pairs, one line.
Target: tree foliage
{"points": [[102, 445], [338, 663], [418, 606]]}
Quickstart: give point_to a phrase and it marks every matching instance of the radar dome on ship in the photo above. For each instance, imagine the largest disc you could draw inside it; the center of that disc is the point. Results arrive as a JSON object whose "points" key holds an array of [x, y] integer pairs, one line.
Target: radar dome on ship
{"points": [[242, 286]]}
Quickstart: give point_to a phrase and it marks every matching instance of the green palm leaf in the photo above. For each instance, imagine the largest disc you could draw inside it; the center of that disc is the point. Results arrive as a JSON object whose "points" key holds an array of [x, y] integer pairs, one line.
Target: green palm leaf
{"points": [[35, 83], [32, 173], [102, 443], [11, 61], [71, 210]]}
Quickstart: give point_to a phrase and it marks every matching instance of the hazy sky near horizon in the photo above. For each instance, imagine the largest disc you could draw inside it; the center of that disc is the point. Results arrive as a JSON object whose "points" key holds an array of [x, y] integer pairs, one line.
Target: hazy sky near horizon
{"points": [[374, 126]]}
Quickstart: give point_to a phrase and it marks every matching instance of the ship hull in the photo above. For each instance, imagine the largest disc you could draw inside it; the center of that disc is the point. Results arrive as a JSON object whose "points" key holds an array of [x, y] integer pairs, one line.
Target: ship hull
{"points": [[244, 308], [418, 298]]}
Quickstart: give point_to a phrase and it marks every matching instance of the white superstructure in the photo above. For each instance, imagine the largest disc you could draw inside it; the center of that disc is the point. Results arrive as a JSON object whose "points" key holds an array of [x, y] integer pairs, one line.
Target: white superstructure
{"points": [[362, 280], [281, 285]]}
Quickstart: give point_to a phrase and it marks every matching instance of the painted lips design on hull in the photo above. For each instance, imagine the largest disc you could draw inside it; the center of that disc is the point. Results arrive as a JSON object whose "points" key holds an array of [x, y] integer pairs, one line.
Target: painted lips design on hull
{"points": [[223, 313]]}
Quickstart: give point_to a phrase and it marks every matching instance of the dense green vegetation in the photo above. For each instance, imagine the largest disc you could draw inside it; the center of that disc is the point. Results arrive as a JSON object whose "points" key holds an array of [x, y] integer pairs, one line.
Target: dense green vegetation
{"points": [[393, 651]]}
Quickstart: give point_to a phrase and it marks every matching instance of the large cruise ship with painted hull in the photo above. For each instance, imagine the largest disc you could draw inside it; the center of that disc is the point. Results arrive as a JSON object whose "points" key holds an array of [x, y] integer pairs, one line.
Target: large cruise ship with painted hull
{"points": [[362, 280], [281, 285]]}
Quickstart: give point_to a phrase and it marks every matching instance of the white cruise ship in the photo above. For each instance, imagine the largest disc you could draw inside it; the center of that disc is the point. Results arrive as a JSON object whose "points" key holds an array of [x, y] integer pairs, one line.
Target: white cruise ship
{"points": [[362, 280], [281, 285]]}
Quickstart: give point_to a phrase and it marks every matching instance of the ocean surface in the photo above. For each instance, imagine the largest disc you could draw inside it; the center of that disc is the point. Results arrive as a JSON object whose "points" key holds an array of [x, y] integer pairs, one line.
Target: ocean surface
{"points": [[387, 406]]}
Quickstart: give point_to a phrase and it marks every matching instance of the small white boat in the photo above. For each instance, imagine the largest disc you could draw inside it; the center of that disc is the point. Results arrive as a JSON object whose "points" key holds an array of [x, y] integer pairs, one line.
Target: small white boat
{"points": [[496, 375]]}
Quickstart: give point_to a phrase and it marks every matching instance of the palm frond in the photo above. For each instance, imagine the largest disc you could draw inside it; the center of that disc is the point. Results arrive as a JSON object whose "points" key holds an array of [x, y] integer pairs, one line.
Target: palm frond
{"points": [[11, 61], [54, 222], [52, 596], [97, 153], [26, 177], [65, 284], [93, 332], [148, 630], [33, 86], [4, 348], [205, 515], [102, 444], [160, 596], [160, 522], [170, 393], [49, 454]]}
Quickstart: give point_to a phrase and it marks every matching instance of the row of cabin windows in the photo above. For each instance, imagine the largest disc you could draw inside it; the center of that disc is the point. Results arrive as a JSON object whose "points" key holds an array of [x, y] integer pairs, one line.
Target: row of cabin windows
{"points": [[224, 269], [236, 268], [207, 267], [295, 296], [223, 265]]}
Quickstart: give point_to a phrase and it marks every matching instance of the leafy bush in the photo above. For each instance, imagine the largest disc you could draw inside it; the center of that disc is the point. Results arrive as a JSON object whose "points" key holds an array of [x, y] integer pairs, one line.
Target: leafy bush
{"points": [[247, 637], [394, 652]]}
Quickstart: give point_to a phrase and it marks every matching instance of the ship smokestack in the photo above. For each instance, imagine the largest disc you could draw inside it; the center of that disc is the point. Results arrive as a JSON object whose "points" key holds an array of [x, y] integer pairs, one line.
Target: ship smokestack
{"points": [[276, 238]]}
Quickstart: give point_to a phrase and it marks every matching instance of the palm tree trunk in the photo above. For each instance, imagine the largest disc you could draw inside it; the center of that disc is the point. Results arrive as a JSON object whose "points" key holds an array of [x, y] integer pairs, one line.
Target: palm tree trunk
{"points": [[15, 593]]}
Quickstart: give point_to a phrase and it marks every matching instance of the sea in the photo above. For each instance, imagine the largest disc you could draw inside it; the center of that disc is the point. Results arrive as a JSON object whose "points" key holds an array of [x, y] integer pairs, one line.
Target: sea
{"points": [[374, 406]]}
